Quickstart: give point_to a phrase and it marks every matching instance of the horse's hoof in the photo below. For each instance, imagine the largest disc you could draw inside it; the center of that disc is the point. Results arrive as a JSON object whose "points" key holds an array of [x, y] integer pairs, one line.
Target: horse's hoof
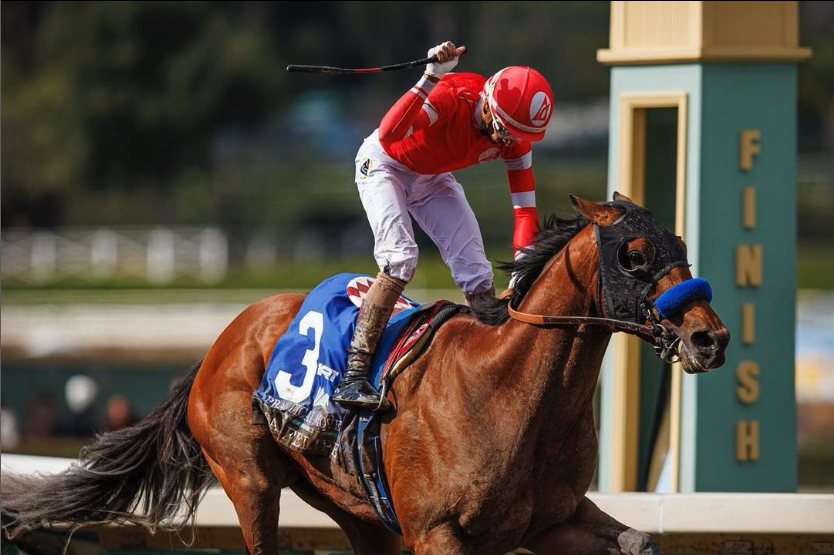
{"points": [[634, 542]]}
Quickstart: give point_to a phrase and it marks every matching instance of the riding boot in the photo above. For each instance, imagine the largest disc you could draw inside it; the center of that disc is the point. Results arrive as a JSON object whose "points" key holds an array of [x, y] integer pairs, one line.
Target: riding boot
{"points": [[355, 390]]}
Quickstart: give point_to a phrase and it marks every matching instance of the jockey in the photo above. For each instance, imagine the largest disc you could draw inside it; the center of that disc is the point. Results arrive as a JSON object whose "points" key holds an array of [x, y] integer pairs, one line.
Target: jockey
{"points": [[444, 123]]}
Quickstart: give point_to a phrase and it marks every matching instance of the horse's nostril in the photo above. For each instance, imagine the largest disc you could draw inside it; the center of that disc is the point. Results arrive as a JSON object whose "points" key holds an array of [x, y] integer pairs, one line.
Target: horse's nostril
{"points": [[703, 340]]}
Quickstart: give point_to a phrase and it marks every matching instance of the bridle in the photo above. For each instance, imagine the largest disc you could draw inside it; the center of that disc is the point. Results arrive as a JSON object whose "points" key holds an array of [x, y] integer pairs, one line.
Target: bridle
{"points": [[664, 341], [622, 292]]}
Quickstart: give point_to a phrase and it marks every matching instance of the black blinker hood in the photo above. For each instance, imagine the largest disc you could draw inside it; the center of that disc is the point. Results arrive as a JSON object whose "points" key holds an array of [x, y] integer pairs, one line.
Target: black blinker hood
{"points": [[624, 291]]}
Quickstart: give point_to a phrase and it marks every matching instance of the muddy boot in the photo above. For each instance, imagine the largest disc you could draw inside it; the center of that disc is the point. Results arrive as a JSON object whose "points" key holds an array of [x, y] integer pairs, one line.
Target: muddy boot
{"points": [[355, 390]]}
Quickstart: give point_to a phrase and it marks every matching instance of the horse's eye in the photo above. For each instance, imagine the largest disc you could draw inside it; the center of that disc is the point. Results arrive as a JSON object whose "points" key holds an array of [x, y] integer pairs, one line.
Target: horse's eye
{"points": [[636, 258]]}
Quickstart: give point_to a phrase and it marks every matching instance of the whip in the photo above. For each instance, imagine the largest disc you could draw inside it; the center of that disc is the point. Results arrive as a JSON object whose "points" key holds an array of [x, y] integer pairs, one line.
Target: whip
{"points": [[328, 70]]}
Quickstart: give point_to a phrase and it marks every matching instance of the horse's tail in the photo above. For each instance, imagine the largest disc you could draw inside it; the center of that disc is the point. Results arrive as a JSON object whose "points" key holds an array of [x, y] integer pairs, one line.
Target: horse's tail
{"points": [[138, 475]]}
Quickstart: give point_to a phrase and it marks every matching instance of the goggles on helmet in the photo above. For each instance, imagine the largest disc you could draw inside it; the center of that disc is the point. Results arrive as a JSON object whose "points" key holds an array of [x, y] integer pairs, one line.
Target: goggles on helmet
{"points": [[502, 132], [504, 135]]}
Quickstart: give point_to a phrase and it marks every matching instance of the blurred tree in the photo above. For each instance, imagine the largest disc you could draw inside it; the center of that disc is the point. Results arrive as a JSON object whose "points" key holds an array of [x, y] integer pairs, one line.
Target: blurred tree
{"points": [[104, 95], [816, 78], [40, 150], [181, 112]]}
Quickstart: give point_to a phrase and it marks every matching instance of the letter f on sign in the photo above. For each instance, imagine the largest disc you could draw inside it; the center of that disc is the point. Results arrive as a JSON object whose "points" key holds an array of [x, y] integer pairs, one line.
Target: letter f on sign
{"points": [[749, 146]]}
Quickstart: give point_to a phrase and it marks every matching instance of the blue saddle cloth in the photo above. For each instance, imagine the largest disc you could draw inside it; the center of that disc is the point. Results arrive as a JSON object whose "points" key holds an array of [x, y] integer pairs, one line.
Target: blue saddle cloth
{"points": [[308, 362]]}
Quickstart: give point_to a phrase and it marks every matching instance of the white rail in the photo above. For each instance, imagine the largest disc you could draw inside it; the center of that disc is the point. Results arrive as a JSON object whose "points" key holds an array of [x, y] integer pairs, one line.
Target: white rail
{"points": [[709, 513], [158, 254]]}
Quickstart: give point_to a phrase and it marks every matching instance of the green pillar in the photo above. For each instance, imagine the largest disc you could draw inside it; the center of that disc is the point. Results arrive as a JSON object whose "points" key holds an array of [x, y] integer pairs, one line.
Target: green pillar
{"points": [[735, 427]]}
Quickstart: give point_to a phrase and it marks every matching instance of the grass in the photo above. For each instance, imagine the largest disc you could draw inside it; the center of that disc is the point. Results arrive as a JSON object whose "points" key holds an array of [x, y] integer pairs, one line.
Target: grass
{"points": [[241, 287]]}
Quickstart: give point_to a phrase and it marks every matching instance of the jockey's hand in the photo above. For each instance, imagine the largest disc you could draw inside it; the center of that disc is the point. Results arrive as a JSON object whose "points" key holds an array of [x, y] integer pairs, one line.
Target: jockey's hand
{"points": [[447, 59]]}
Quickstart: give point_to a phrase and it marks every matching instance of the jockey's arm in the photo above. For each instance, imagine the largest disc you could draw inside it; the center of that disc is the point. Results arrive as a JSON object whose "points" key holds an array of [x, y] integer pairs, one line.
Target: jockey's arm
{"points": [[523, 194], [410, 113], [414, 111]]}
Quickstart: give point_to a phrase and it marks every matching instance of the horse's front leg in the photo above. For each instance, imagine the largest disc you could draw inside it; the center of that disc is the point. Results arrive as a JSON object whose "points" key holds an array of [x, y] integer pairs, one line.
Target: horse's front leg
{"points": [[443, 538], [591, 532]]}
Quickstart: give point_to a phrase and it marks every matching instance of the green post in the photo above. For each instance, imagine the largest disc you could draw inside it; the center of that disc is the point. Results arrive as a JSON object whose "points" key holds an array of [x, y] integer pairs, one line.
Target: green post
{"points": [[736, 427]]}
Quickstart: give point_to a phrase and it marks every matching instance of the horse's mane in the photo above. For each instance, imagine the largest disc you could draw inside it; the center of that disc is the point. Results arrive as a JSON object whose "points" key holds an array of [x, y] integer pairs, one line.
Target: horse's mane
{"points": [[554, 234]]}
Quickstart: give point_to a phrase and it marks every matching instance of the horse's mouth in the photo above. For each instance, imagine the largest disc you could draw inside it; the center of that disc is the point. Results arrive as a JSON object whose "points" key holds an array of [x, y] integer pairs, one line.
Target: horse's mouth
{"points": [[695, 360]]}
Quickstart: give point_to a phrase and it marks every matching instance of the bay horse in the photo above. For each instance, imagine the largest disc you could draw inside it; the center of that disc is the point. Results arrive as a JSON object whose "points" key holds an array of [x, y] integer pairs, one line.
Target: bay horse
{"points": [[491, 445]]}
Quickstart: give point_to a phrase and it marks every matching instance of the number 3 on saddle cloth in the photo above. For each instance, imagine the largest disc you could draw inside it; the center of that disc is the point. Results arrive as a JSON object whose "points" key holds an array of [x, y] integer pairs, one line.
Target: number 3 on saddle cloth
{"points": [[308, 362]]}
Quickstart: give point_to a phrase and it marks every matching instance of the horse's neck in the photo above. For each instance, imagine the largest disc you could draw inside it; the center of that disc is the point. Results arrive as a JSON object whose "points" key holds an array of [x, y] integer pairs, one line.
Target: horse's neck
{"points": [[556, 368]]}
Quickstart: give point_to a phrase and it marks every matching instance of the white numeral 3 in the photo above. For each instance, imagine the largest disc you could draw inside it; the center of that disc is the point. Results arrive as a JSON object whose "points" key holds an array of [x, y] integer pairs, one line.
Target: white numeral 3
{"points": [[312, 321]]}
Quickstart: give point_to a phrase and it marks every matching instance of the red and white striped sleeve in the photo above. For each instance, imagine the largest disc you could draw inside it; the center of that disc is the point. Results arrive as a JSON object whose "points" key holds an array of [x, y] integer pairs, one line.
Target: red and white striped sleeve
{"points": [[411, 112], [519, 164]]}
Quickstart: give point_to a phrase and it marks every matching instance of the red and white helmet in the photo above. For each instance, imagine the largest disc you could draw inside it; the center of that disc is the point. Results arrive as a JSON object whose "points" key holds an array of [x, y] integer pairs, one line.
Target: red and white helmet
{"points": [[521, 99]]}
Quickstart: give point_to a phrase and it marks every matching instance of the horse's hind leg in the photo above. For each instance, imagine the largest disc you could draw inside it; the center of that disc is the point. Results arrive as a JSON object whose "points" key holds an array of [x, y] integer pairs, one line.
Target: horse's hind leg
{"points": [[253, 474], [245, 458], [248, 463], [365, 538]]}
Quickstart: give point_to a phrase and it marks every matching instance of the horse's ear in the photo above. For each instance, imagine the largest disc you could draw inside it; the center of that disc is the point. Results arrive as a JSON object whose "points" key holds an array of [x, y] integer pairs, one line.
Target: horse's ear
{"points": [[621, 197], [596, 212]]}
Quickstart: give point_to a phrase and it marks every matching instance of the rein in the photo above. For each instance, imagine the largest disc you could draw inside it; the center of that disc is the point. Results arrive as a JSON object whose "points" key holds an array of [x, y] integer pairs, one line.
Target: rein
{"points": [[664, 341], [639, 330]]}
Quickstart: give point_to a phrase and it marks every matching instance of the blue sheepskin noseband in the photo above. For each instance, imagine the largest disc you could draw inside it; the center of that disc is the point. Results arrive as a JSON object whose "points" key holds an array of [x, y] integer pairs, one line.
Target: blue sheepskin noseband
{"points": [[675, 298]]}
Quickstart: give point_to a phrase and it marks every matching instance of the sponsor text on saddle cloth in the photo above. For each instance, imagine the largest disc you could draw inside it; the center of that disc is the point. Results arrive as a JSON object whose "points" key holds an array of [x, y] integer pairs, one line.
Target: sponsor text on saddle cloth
{"points": [[308, 362]]}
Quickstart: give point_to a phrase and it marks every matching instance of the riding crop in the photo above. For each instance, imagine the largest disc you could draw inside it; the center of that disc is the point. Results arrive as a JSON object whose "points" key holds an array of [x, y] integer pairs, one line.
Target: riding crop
{"points": [[328, 70]]}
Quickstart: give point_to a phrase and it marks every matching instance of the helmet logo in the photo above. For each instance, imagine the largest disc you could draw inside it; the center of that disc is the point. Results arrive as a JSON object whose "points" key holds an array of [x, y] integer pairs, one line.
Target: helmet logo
{"points": [[540, 108]]}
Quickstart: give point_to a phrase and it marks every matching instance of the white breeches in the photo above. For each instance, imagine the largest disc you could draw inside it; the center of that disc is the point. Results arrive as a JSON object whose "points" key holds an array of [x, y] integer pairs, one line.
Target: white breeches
{"points": [[390, 191]]}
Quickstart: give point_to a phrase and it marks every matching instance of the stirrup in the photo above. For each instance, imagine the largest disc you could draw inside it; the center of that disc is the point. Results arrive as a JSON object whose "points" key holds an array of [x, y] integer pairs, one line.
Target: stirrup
{"points": [[359, 393]]}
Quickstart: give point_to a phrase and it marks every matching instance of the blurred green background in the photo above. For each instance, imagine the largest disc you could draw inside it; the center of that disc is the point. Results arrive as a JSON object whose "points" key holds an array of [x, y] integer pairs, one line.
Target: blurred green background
{"points": [[181, 113]]}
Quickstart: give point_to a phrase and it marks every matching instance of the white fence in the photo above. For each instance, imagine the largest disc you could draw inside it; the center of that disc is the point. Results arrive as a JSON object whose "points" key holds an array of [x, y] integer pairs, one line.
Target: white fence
{"points": [[159, 255], [693, 524]]}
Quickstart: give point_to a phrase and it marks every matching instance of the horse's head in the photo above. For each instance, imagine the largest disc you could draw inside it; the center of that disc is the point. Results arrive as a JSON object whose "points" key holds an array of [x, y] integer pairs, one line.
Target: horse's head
{"points": [[644, 278]]}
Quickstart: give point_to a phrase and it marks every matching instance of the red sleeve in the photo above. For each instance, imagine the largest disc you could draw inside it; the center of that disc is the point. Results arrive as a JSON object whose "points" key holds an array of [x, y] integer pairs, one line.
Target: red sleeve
{"points": [[519, 163], [408, 115]]}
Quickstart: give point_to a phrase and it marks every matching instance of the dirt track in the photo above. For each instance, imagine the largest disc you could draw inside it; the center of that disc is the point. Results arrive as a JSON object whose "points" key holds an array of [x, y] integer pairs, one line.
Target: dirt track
{"points": [[169, 332]]}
